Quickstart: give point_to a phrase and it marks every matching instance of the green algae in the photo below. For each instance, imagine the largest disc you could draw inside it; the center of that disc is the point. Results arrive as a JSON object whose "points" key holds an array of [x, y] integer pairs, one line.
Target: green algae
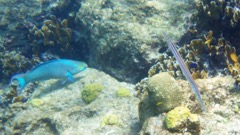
{"points": [[123, 92], [36, 102], [91, 91], [111, 119], [236, 108]]}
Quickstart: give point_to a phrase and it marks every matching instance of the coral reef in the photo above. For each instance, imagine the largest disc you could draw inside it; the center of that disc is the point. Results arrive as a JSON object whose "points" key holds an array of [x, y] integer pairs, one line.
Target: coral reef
{"points": [[18, 20], [123, 92], [53, 34], [205, 57], [91, 92], [221, 102], [180, 118], [124, 37], [13, 62], [210, 53], [222, 18], [12, 95], [221, 13], [63, 110], [15, 13], [196, 58]]}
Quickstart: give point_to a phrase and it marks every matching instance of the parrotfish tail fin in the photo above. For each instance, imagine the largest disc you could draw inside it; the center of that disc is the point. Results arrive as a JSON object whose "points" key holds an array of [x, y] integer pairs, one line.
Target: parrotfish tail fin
{"points": [[21, 80]]}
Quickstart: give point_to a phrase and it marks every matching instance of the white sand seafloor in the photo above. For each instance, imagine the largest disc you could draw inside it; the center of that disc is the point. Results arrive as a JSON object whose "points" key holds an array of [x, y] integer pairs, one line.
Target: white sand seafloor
{"points": [[61, 110]]}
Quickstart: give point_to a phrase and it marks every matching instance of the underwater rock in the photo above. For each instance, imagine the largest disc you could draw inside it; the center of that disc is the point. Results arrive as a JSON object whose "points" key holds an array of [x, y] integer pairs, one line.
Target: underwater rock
{"points": [[91, 92], [221, 100], [145, 109], [124, 36], [63, 111], [154, 126], [157, 125]]}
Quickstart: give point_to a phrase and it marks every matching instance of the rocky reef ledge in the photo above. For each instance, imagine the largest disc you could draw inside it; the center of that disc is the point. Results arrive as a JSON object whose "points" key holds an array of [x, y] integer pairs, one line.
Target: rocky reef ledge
{"points": [[97, 104]]}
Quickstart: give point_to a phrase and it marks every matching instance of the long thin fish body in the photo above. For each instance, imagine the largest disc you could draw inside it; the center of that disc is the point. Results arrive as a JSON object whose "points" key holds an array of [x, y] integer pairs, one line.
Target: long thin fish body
{"points": [[185, 70]]}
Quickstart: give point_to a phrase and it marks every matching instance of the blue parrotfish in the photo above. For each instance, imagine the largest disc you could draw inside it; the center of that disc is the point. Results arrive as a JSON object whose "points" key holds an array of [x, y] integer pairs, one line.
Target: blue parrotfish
{"points": [[54, 69]]}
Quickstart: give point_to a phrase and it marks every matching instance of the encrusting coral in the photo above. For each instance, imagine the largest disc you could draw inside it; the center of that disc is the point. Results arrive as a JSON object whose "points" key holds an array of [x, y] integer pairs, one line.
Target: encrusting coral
{"points": [[123, 92], [110, 119], [91, 92], [36, 102], [180, 118]]}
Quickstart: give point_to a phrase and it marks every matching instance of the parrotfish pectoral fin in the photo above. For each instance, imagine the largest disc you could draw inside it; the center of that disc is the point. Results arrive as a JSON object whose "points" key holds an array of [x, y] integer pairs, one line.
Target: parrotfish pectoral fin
{"points": [[70, 77], [20, 79], [63, 81]]}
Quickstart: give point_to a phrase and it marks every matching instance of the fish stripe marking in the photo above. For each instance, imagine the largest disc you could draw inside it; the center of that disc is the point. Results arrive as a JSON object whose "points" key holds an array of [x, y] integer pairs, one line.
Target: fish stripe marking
{"points": [[185, 70]]}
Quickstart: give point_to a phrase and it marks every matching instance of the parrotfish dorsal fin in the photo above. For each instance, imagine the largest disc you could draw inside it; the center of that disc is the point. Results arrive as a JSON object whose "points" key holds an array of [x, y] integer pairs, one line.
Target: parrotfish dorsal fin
{"points": [[44, 63]]}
